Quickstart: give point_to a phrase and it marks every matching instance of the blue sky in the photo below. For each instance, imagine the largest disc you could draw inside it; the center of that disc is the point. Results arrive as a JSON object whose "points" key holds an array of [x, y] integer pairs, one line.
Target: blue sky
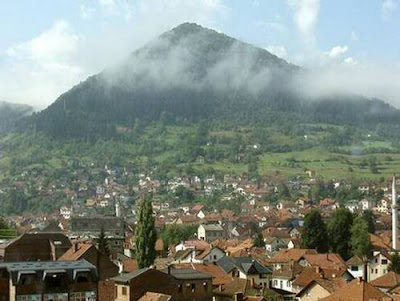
{"points": [[48, 46]]}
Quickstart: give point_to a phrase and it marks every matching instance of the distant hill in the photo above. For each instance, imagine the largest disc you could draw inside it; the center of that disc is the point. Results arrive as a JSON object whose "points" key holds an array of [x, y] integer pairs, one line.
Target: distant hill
{"points": [[192, 73], [10, 113]]}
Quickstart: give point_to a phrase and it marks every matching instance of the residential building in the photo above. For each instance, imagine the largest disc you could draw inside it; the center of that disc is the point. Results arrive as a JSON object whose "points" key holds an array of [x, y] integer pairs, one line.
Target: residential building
{"points": [[210, 232], [181, 284], [246, 268], [48, 280], [36, 247]]}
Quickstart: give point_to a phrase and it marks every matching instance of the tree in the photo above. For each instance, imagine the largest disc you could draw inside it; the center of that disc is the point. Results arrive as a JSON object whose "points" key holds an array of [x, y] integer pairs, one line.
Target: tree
{"points": [[103, 243], [360, 240], [394, 265], [146, 236], [369, 217], [339, 231], [174, 234], [315, 234], [259, 241]]}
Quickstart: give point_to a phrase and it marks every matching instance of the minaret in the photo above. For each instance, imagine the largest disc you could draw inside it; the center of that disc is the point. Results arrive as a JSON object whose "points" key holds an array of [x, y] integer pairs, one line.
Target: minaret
{"points": [[394, 214], [117, 209]]}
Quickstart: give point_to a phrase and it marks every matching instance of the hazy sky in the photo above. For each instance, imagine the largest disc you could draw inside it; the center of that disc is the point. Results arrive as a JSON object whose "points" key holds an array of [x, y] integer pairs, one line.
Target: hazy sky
{"points": [[48, 46]]}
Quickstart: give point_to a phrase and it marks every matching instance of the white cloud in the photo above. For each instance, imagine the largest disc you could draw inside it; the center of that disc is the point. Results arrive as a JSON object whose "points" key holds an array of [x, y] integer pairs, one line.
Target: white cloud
{"points": [[354, 36], [87, 12], [350, 61], [362, 79], [38, 70], [338, 51], [389, 7], [278, 50], [306, 17], [41, 68]]}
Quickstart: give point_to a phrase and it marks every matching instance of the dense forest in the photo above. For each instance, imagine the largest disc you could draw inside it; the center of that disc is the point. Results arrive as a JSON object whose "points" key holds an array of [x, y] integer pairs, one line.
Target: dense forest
{"points": [[10, 113], [191, 75]]}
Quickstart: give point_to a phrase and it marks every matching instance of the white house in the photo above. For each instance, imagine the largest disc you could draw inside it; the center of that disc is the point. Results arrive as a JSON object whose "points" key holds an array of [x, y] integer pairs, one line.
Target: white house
{"points": [[352, 206], [378, 265], [355, 266], [66, 212], [210, 232], [365, 204]]}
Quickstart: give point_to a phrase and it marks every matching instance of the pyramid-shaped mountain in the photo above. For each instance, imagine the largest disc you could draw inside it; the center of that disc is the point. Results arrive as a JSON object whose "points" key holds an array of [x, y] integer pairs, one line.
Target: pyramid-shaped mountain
{"points": [[190, 74]]}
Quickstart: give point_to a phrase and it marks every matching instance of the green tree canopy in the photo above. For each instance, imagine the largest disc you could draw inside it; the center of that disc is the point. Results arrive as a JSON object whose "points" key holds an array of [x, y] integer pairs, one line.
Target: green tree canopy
{"points": [[315, 235], [369, 217], [360, 240], [146, 236], [339, 231], [394, 265]]}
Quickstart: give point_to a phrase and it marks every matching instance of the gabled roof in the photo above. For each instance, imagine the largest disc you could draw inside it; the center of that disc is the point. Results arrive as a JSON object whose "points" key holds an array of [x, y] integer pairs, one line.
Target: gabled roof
{"points": [[389, 280], [291, 255], [212, 227], [150, 296], [247, 265], [219, 277], [186, 274], [308, 274], [237, 285], [355, 260], [124, 278], [71, 254], [326, 261], [330, 285], [357, 290]]}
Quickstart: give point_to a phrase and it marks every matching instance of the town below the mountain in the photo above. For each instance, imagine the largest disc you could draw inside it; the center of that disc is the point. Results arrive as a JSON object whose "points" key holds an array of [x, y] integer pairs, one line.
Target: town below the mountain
{"points": [[195, 237]]}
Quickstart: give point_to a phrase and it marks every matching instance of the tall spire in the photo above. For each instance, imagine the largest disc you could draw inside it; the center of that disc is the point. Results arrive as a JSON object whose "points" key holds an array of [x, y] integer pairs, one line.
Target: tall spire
{"points": [[394, 214]]}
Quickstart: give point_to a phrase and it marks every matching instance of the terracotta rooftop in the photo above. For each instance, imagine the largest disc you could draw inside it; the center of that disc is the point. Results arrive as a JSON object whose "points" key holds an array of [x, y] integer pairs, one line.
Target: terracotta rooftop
{"points": [[307, 275], [358, 290], [326, 261], [149, 296], [219, 277], [389, 280], [71, 254], [291, 255]]}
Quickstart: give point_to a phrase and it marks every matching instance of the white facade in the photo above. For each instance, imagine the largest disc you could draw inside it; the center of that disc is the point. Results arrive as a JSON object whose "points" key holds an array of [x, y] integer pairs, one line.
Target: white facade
{"points": [[65, 212], [378, 266]]}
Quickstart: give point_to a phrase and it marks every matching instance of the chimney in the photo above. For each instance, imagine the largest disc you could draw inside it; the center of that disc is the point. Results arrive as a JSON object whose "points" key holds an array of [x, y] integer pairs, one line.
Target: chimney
{"points": [[394, 214], [76, 247], [238, 296], [317, 269]]}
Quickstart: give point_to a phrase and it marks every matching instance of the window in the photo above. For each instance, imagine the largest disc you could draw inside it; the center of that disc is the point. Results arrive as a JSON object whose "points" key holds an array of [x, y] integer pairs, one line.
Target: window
{"points": [[205, 286], [354, 268], [193, 287], [29, 298], [116, 292], [372, 271], [376, 271], [82, 279], [180, 288], [215, 257], [384, 261], [288, 284], [81, 296], [124, 291], [275, 283], [55, 297], [376, 260]]}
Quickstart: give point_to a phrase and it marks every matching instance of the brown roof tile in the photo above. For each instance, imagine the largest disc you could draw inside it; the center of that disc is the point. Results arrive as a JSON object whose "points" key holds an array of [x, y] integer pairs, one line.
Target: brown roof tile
{"points": [[358, 290], [389, 280]]}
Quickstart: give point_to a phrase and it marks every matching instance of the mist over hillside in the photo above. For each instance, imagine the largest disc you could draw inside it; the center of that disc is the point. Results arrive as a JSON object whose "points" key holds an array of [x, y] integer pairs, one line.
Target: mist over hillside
{"points": [[10, 113], [191, 74]]}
